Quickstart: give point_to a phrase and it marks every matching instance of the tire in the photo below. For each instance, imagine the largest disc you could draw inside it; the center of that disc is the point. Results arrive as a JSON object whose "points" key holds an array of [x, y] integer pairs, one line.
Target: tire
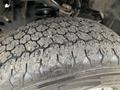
{"points": [[59, 53]]}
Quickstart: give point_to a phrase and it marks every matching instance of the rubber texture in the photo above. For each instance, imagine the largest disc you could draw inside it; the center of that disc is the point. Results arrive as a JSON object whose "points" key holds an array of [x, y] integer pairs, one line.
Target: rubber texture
{"points": [[54, 47]]}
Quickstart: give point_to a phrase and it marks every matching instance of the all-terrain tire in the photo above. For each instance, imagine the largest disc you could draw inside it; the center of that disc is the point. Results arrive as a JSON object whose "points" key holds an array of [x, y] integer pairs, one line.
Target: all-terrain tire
{"points": [[59, 52]]}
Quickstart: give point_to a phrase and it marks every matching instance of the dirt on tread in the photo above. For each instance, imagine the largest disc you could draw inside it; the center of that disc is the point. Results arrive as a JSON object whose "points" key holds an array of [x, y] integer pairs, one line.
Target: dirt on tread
{"points": [[55, 46]]}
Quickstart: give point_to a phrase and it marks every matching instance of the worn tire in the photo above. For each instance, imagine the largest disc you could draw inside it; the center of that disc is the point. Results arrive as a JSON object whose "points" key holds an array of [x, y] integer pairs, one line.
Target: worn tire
{"points": [[59, 53]]}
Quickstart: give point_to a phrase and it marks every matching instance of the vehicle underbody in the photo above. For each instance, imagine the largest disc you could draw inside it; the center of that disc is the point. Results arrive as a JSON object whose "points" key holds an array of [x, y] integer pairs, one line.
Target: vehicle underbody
{"points": [[15, 13]]}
